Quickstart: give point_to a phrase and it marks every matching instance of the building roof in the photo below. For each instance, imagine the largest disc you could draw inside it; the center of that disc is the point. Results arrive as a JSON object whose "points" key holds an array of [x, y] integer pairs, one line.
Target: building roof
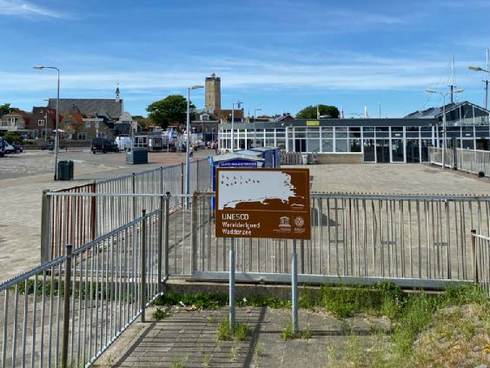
{"points": [[436, 112], [235, 156], [90, 106]]}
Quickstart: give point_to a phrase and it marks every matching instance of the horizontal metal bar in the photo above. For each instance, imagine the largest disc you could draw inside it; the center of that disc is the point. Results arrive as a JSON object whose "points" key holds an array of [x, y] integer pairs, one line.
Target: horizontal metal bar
{"points": [[315, 195], [113, 195], [321, 280], [403, 197], [113, 232], [483, 237], [26, 275]]}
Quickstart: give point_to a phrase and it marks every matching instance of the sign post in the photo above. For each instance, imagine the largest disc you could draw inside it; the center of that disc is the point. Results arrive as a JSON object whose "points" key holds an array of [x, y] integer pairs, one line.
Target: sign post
{"points": [[263, 203], [231, 301], [294, 289]]}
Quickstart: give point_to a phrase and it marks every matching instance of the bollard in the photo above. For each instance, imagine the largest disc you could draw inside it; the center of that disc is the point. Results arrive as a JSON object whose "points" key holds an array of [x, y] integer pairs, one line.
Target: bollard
{"points": [[66, 307], [143, 267]]}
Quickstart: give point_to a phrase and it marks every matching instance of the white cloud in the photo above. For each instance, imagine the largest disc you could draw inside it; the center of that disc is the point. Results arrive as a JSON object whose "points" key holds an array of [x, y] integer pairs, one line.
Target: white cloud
{"points": [[26, 8], [339, 71]]}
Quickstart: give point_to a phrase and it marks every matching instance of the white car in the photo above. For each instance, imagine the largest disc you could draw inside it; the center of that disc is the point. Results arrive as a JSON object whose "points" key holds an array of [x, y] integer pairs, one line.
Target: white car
{"points": [[9, 148]]}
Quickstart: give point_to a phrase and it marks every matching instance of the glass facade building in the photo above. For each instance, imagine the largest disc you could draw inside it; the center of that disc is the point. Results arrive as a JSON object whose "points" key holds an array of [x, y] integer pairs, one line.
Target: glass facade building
{"points": [[377, 140]]}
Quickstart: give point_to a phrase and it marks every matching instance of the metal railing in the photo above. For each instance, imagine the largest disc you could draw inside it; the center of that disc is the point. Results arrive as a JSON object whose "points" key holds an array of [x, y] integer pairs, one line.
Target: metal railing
{"points": [[481, 260], [68, 311], [83, 213], [414, 240], [416, 237], [472, 161], [291, 158]]}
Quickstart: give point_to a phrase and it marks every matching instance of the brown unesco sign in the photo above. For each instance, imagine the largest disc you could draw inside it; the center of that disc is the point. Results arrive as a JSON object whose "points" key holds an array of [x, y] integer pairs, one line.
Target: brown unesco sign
{"points": [[263, 203]]}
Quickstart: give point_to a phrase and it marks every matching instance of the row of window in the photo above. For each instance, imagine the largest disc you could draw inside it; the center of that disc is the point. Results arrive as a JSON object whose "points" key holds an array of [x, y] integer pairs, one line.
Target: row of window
{"points": [[350, 139]]}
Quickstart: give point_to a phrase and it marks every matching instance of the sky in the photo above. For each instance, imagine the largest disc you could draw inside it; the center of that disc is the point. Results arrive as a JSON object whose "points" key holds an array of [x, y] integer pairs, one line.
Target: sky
{"points": [[274, 55]]}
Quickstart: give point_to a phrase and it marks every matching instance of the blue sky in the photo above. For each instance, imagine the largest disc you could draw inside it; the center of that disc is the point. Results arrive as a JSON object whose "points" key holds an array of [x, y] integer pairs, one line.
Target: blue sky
{"points": [[277, 55]]}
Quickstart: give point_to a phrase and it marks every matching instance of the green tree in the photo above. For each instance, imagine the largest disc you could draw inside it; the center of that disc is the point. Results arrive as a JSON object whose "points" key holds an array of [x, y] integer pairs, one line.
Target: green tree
{"points": [[4, 109], [172, 109], [13, 137], [310, 112]]}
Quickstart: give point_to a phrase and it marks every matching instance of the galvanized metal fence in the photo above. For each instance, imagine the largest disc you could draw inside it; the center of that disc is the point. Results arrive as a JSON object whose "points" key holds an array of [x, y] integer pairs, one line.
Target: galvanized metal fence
{"points": [[66, 312], [414, 240], [76, 216], [291, 158], [481, 260], [411, 239], [69, 310], [472, 161]]}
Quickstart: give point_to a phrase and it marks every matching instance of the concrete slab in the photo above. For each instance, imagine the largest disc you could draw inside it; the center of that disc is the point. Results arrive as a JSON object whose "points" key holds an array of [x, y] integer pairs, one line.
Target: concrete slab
{"points": [[189, 339]]}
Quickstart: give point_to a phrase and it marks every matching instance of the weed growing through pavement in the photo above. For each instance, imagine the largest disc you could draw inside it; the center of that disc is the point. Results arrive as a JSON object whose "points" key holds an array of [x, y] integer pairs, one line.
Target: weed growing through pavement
{"points": [[288, 334], [239, 332], [160, 314]]}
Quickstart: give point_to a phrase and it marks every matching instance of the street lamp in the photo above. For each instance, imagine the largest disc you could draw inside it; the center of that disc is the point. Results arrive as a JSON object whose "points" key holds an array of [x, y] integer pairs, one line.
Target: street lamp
{"points": [[56, 140], [187, 145], [444, 130], [238, 104], [487, 70]]}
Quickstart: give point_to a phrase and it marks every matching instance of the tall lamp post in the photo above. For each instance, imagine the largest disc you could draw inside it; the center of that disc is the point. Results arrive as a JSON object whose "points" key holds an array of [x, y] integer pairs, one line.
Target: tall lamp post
{"points": [[487, 70], [238, 104], [444, 128], [56, 140], [188, 141]]}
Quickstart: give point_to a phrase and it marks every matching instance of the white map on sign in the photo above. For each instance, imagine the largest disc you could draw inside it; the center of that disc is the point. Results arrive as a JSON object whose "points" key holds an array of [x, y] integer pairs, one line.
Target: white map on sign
{"points": [[258, 186]]}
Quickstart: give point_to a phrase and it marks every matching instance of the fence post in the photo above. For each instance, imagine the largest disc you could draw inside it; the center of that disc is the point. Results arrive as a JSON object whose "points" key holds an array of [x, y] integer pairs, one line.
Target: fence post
{"points": [[182, 183], [143, 267], [455, 154], [45, 227], [473, 249], [160, 242], [134, 191], [66, 307], [193, 232], [161, 180], [197, 175], [93, 211], [166, 241]]}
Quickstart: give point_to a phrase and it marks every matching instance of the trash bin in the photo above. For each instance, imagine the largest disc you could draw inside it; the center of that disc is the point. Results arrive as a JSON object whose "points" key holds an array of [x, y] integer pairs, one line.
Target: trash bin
{"points": [[137, 156], [65, 170]]}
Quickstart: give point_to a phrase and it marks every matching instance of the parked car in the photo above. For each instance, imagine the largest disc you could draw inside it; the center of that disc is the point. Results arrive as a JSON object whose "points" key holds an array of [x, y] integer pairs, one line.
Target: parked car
{"points": [[9, 148], [103, 145], [13, 148], [49, 145]]}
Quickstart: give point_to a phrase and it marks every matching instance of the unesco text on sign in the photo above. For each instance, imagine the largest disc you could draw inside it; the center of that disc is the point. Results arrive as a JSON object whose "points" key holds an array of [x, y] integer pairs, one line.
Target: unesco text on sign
{"points": [[263, 203]]}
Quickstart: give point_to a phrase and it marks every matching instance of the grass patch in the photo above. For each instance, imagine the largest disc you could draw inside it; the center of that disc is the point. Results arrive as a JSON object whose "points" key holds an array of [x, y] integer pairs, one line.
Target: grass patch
{"points": [[238, 332], [288, 334], [385, 298], [197, 300], [160, 314], [214, 301]]}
